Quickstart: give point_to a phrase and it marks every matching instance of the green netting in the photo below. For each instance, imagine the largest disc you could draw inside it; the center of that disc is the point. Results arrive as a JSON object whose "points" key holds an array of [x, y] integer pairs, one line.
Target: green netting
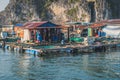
{"points": [[45, 47], [11, 39], [76, 39]]}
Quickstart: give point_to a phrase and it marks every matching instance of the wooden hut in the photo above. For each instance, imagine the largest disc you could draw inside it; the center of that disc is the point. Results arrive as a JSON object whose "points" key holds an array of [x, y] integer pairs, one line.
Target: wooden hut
{"points": [[90, 29], [7, 28], [45, 28]]}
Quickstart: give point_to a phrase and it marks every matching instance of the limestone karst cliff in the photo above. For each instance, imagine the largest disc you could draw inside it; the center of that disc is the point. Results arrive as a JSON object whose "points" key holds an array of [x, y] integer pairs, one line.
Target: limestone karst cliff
{"points": [[60, 10]]}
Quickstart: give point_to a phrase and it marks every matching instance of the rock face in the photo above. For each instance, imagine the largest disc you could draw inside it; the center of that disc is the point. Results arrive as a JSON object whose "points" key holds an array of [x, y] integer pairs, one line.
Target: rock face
{"points": [[60, 11]]}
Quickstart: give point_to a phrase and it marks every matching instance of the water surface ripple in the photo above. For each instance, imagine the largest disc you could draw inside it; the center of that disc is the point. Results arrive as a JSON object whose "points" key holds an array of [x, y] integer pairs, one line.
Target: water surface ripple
{"points": [[95, 66]]}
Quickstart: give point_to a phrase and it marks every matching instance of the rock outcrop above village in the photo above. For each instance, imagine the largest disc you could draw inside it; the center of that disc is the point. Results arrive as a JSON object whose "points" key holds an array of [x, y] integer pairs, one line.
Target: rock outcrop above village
{"points": [[59, 11]]}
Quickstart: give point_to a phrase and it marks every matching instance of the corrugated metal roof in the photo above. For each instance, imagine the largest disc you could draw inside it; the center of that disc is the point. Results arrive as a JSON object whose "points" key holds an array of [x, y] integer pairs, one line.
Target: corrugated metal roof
{"points": [[43, 24]]}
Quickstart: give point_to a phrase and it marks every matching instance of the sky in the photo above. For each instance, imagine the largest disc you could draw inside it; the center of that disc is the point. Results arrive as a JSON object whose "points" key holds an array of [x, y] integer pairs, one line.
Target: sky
{"points": [[3, 4]]}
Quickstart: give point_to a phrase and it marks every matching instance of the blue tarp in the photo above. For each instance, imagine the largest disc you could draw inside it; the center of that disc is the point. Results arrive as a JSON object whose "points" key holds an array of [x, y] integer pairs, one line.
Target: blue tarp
{"points": [[19, 24], [101, 34]]}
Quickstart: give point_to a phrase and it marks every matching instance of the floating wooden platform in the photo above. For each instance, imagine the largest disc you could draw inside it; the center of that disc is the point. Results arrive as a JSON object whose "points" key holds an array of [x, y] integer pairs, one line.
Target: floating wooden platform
{"points": [[71, 49]]}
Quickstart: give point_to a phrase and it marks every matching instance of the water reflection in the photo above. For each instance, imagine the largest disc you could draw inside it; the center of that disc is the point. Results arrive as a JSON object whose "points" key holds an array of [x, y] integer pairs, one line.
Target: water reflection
{"points": [[95, 66]]}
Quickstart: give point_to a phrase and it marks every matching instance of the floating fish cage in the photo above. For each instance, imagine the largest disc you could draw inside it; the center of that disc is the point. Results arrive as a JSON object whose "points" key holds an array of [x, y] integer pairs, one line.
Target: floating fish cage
{"points": [[51, 50]]}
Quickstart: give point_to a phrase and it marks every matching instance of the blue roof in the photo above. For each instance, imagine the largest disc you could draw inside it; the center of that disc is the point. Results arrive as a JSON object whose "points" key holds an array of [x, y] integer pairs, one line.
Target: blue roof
{"points": [[48, 24]]}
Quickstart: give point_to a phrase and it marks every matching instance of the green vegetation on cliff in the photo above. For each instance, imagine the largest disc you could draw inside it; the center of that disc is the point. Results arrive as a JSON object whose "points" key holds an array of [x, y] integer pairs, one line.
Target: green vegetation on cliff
{"points": [[59, 10]]}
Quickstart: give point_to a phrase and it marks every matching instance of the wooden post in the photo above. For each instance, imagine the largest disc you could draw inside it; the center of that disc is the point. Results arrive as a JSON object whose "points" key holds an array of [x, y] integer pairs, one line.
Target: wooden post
{"points": [[68, 34], [49, 38], [44, 34], [34, 31]]}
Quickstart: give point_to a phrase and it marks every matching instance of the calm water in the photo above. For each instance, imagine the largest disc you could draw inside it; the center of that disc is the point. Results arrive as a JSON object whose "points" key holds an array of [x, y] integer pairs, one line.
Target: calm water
{"points": [[95, 66]]}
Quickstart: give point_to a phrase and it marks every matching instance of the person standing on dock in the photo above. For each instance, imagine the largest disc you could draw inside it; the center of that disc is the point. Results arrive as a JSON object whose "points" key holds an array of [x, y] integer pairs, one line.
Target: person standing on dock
{"points": [[39, 37], [99, 33], [62, 39], [3, 44]]}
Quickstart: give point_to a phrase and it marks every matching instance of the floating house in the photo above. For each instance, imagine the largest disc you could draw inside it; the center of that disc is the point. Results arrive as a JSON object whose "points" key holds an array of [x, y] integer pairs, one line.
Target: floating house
{"points": [[87, 29], [40, 31], [7, 28]]}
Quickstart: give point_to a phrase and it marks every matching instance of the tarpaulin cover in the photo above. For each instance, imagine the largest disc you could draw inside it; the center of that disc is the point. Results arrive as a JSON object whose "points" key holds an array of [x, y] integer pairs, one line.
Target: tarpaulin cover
{"points": [[19, 24], [113, 31]]}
